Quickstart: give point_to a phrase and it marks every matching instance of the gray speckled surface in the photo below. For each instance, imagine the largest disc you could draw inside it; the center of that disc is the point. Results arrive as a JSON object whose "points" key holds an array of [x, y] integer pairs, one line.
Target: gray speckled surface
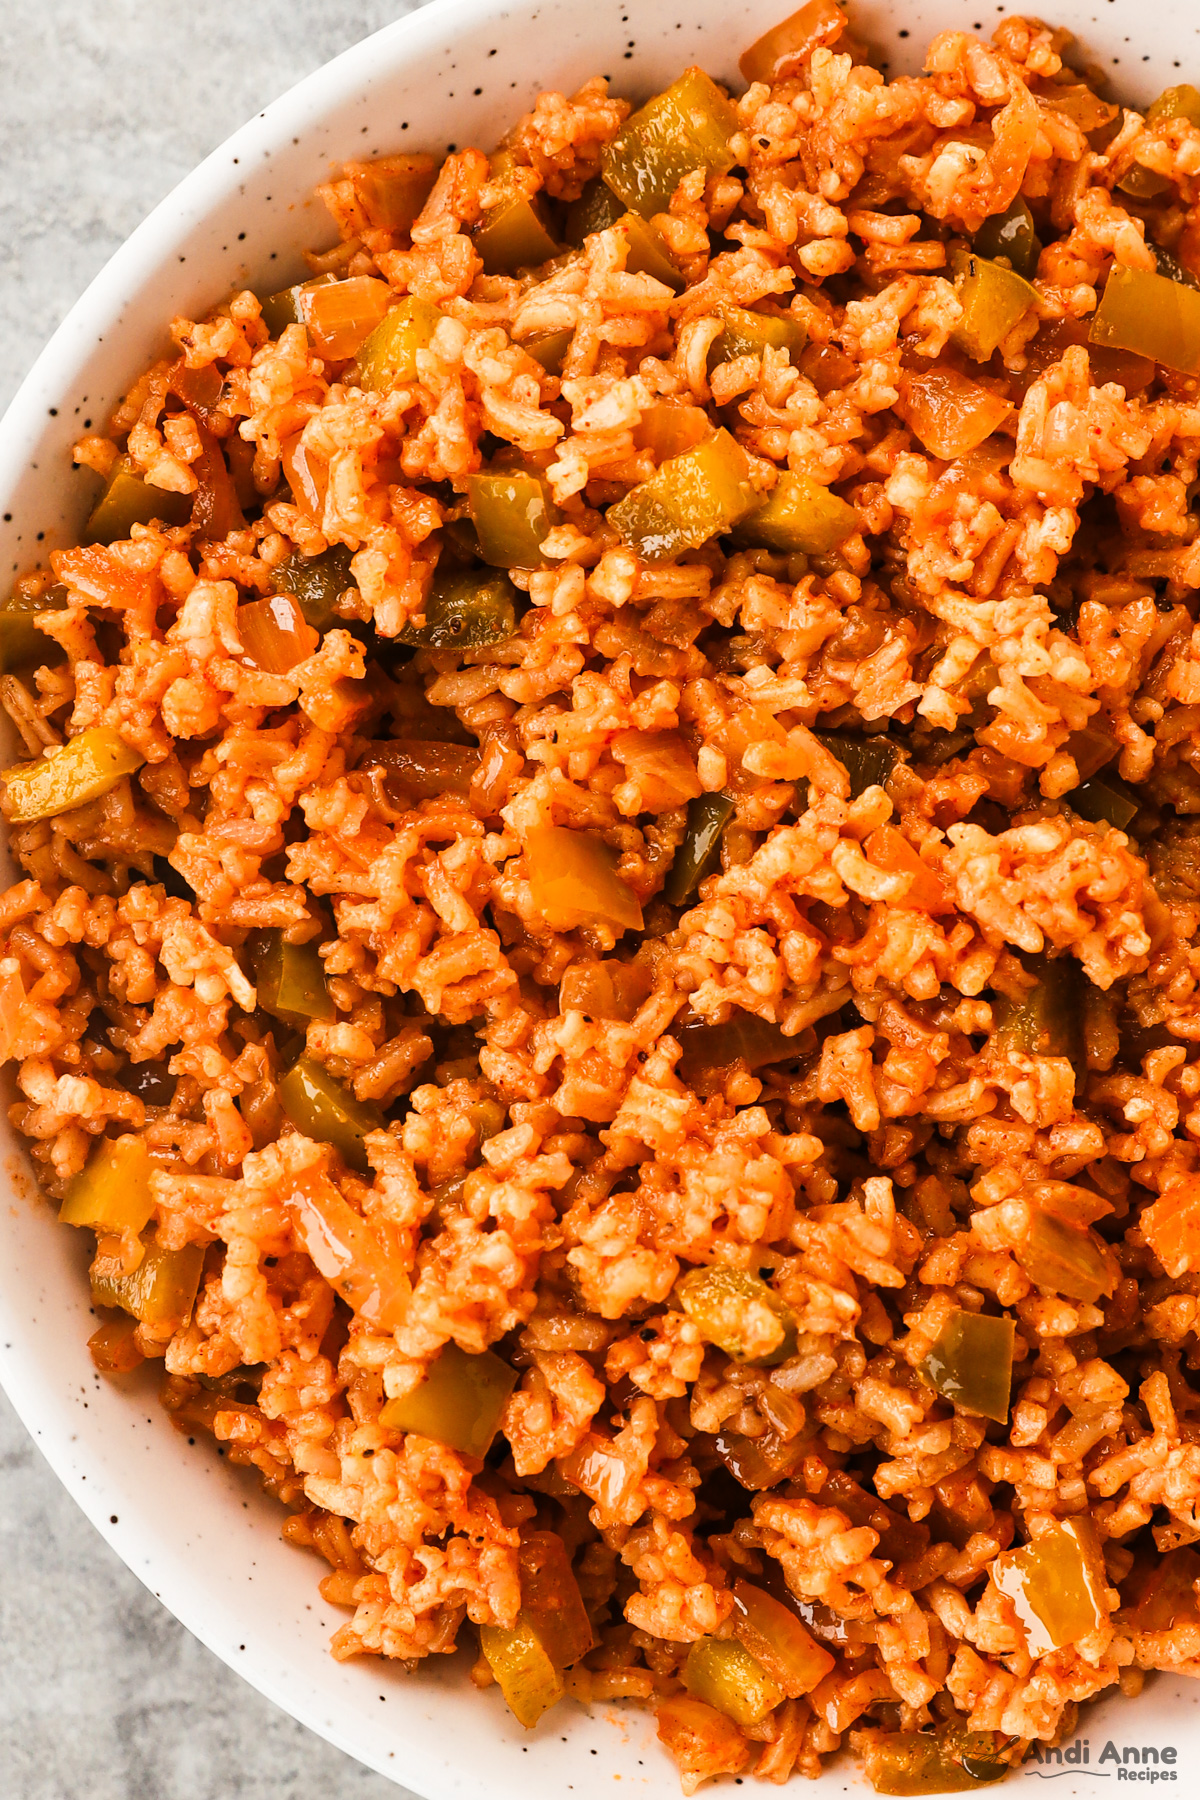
{"points": [[102, 109]]}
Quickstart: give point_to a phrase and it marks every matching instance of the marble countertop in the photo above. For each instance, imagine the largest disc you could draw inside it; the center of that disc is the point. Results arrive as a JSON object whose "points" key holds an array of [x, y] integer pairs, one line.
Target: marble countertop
{"points": [[102, 110]]}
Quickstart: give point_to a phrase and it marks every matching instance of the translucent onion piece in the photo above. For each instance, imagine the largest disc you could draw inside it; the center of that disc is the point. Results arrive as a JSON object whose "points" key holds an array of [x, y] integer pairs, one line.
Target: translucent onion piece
{"points": [[275, 634], [574, 881], [356, 1263], [341, 317], [778, 1641]]}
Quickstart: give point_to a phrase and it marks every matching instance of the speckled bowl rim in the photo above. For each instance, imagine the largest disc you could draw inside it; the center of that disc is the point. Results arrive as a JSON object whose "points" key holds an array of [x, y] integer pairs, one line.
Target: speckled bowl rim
{"points": [[200, 1537]]}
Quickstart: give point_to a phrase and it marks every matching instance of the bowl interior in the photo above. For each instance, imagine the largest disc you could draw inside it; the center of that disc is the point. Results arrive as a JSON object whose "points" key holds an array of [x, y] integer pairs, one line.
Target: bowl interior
{"points": [[200, 1535]]}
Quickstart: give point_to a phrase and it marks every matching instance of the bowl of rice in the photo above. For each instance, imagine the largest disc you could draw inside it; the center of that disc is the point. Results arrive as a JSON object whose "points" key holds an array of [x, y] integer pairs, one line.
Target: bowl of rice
{"points": [[598, 966]]}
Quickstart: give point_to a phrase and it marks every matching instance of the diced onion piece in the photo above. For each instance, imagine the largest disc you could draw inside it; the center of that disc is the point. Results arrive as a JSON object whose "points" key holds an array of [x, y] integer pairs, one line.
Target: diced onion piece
{"points": [[888, 849], [949, 413], [160, 1291], [739, 1313], [1168, 1598], [1077, 102], [459, 1401], [667, 429], [782, 50], [12, 1005], [722, 1673], [341, 317], [600, 1472], [970, 1363], [275, 634], [68, 776], [111, 1193], [574, 881], [743, 1038], [1152, 316], [129, 500], [778, 1641], [392, 189], [524, 1672], [1066, 1259], [761, 1462], [702, 1740], [367, 1274], [605, 990], [1171, 1226], [287, 306], [1057, 1585], [551, 1600], [307, 474], [424, 770]]}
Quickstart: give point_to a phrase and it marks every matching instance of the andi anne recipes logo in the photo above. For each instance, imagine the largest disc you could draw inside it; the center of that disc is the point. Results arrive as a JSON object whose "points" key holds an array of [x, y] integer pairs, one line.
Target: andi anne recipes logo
{"points": [[1124, 1762]]}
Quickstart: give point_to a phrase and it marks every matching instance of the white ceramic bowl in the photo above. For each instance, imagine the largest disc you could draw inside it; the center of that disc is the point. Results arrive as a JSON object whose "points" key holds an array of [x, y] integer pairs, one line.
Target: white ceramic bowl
{"points": [[200, 1535]]}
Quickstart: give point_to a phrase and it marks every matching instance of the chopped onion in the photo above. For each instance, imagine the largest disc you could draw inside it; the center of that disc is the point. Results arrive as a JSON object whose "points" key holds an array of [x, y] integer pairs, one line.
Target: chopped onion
{"points": [[275, 634]]}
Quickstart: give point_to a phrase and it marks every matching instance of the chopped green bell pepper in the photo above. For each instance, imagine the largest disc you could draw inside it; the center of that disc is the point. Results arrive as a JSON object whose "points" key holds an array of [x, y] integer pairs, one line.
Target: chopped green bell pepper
{"points": [[740, 1314], [465, 610], [970, 1364], [799, 515], [688, 500], [513, 512], [389, 356], [459, 1402], [687, 127], [325, 1110], [700, 851]]}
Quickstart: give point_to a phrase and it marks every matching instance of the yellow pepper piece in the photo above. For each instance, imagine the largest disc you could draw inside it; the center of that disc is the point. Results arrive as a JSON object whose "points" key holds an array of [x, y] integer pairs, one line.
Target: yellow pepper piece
{"points": [[595, 210], [722, 1673], [740, 1314], [459, 1401], [971, 1363], [687, 127], [524, 1673], [513, 511], [574, 881], [690, 499], [515, 234], [367, 1271], [127, 501], [465, 610], [160, 1291], [1057, 1585], [69, 776], [22, 644], [992, 298], [288, 305], [1066, 1259], [111, 1193], [290, 979], [747, 333], [777, 1640], [799, 515], [646, 252], [326, 1111], [1010, 234], [389, 356], [1152, 316], [780, 52]]}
